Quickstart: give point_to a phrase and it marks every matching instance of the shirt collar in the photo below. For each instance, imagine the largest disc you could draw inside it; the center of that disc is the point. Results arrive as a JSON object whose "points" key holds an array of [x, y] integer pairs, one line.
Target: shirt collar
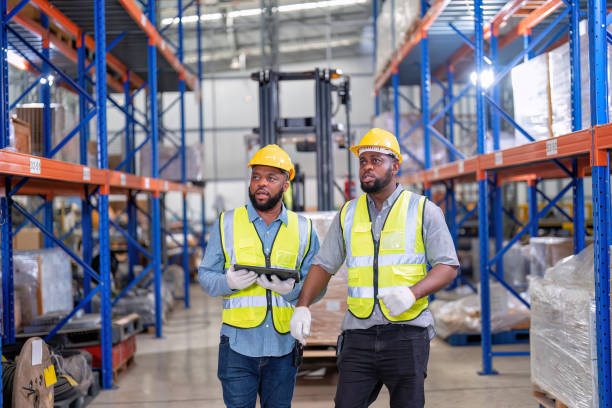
{"points": [[253, 215], [390, 200]]}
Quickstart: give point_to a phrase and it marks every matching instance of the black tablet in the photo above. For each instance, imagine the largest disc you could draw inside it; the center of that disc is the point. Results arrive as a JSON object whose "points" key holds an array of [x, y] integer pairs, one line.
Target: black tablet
{"points": [[282, 273]]}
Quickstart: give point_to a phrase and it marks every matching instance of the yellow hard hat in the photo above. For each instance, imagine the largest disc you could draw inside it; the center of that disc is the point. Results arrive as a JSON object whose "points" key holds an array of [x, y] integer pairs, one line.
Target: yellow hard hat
{"points": [[379, 138], [273, 156]]}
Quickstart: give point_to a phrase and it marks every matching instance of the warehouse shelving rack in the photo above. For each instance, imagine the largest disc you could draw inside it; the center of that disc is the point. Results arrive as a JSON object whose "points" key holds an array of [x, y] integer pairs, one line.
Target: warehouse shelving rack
{"points": [[572, 156], [24, 174]]}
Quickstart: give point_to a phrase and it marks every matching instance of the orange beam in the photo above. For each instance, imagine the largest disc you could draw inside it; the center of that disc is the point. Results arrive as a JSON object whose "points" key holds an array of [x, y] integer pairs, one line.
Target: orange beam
{"points": [[25, 165], [412, 39], [538, 15], [74, 30], [572, 145], [54, 188], [62, 178], [155, 39]]}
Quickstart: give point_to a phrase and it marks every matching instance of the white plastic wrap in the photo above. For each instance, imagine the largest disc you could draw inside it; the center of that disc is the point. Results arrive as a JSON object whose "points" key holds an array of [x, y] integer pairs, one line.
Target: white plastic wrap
{"points": [[406, 15], [142, 302], [561, 323], [194, 162], [463, 315], [560, 91], [414, 142], [531, 93], [547, 251], [327, 314], [51, 269], [384, 48], [516, 266], [77, 366]]}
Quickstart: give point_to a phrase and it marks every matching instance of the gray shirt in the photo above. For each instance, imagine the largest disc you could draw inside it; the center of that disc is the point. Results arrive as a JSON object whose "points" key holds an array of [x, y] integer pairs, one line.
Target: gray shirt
{"points": [[439, 249]]}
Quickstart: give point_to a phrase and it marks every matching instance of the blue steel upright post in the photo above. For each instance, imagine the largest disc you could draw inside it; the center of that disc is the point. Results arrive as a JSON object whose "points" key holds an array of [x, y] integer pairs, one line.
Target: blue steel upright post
{"points": [[425, 95], [155, 215], [601, 193], [132, 225], [201, 115], [396, 108], [498, 226], [395, 81], [6, 224], [375, 43], [185, 257], [483, 224], [86, 208], [576, 106], [105, 292], [45, 98]]}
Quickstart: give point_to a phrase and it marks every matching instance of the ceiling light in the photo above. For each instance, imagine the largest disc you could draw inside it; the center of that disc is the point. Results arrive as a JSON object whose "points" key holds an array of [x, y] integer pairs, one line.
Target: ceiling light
{"points": [[287, 8]]}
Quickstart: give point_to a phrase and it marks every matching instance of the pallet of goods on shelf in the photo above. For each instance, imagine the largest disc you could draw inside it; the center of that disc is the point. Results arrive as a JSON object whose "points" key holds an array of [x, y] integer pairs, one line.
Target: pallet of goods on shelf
{"points": [[563, 340]]}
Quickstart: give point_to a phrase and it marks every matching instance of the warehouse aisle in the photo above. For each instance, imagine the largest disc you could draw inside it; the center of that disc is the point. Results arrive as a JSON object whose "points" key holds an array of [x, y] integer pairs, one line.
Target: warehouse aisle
{"points": [[180, 371]]}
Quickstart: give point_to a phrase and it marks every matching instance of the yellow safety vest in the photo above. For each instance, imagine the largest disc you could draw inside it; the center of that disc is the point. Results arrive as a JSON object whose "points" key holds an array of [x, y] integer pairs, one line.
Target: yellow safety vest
{"points": [[396, 259], [242, 245]]}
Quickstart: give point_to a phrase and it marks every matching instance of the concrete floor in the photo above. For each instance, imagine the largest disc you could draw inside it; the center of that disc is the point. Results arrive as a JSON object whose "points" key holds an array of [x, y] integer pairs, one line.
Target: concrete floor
{"points": [[180, 370]]}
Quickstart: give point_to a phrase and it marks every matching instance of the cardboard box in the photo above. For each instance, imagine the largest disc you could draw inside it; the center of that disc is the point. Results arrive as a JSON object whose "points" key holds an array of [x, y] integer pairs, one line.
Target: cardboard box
{"points": [[23, 135], [28, 239]]}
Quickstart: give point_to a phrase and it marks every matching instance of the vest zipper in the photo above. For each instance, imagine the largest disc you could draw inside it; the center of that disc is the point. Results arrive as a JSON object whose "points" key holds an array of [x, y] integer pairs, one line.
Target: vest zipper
{"points": [[375, 270], [268, 294]]}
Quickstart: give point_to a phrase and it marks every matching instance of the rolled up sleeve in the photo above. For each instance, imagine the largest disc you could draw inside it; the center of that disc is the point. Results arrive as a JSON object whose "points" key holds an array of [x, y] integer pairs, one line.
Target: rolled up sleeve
{"points": [[333, 251], [211, 272], [439, 246]]}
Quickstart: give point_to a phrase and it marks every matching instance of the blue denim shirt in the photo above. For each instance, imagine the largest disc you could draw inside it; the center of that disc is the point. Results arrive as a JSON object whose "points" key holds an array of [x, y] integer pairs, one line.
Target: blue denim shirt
{"points": [[263, 340]]}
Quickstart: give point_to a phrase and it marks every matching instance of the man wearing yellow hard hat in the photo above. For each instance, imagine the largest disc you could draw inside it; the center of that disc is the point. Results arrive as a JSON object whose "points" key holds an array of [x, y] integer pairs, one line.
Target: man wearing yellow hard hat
{"points": [[257, 354], [387, 237]]}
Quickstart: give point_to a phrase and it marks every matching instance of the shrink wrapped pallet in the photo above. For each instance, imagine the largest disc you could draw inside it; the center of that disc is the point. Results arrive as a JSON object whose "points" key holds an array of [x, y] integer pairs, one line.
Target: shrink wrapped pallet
{"points": [[463, 315], [560, 84], [547, 251], [327, 313], [384, 48], [51, 269], [414, 142], [563, 345], [531, 93], [194, 162], [392, 26]]}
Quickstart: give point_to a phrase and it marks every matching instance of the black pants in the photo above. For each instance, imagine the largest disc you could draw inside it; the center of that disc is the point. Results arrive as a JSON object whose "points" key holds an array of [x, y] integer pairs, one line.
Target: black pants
{"points": [[394, 355]]}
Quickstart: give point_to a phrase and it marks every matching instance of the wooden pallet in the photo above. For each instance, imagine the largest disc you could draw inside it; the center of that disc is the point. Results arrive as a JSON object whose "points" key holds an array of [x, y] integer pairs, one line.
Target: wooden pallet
{"points": [[546, 400], [123, 367]]}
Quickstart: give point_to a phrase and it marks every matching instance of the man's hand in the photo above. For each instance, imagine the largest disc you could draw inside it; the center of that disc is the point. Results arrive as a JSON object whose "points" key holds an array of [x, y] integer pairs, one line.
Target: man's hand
{"points": [[240, 279], [398, 300], [275, 284], [300, 324]]}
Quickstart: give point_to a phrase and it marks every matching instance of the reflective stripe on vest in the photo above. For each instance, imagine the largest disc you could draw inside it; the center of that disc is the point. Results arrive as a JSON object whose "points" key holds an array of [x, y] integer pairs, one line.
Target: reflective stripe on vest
{"points": [[241, 244], [401, 256]]}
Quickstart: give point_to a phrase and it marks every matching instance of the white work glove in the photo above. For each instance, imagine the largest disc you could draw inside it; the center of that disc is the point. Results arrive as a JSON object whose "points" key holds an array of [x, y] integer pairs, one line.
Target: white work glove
{"points": [[398, 300], [240, 279], [300, 324], [275, 284]]}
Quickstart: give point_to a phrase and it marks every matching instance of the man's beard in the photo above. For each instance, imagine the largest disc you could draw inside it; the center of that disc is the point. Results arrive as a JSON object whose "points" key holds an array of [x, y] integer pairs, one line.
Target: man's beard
{"points": [[379, 184], [268, 205]]}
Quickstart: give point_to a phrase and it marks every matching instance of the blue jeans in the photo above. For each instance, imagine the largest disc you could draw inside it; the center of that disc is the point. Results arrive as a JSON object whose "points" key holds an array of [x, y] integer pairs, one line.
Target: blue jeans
{"points": [[243, 377]]}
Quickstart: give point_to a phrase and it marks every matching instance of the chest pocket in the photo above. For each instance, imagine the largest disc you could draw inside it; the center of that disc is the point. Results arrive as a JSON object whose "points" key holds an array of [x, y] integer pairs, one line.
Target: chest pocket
{"points": [[361, 239], [286, 259], [392, 241], [247, 251]]}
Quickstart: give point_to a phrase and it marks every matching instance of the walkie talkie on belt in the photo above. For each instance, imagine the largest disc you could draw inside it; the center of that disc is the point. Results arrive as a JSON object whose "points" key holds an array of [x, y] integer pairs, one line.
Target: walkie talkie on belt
{"points": [[298, 354]]}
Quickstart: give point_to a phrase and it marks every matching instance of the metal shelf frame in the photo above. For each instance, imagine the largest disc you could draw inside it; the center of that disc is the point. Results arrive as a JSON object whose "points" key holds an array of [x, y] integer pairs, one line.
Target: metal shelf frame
{"points": [[23, 174], [572, 156]]}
